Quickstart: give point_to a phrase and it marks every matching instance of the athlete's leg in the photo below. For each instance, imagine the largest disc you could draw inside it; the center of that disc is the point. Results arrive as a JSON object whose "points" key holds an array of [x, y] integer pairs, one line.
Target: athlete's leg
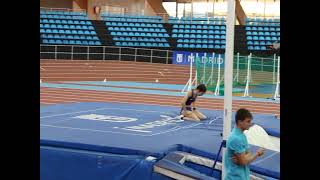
{"points": [[199, 114], [189, 115]]}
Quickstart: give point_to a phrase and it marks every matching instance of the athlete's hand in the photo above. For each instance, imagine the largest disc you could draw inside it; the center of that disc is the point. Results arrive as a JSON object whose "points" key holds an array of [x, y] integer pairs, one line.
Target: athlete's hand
{"points": [[260, 152], [235, 160]]}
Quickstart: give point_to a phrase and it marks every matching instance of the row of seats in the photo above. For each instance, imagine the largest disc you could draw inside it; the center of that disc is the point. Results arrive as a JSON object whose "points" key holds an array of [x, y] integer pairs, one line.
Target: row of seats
{"points": [[44, 16], [210, 46], [134, 20], [78, 42], [137, 29], [70, 22], [263, 24], [63, 13], [198, 36], [176, 26], [61, 31], [255, 33], [262, 38], [129, 16], [262, 20], [139, 34], [199, 31], [196, 22], [199, 18], [257, 48], [120, 24], [262, 43], [59, 26], [262, 28], [142, 44], [199, 41], [139, 39], [63, 36]]}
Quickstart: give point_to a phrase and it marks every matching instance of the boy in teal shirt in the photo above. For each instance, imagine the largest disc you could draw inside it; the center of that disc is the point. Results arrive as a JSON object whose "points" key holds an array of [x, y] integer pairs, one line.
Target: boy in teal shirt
{"points": [[237, 156]]}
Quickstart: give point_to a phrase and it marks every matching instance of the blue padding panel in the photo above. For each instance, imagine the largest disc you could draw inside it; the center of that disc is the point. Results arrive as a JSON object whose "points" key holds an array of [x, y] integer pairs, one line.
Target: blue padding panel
{"points": [[66, 164], [168, 164], [132, 129]]}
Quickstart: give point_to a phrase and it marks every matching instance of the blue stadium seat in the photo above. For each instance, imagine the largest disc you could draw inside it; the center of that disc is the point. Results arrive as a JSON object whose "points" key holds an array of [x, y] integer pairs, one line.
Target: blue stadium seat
{"points": [[262, 43], [256, 43], [204, 46], [261, 38], [257, 48], [255, 38], [89, 37], [250, 47], [248, 28], [205, 36], [261, 34], [217, 42], [274, 39], [210, 46], [272, 29], [255, 33], [50, 36], [74, 32], [249, 37], [198, 36], [93, 33], [198, 46], [45, 41], [51, 41], [263, 48], [249, 42], [217, 46], [179, 45]]}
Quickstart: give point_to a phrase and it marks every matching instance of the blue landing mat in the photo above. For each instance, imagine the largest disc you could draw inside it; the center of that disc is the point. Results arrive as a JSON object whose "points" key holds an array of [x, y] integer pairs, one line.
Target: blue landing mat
{"points": [[142, 130]]}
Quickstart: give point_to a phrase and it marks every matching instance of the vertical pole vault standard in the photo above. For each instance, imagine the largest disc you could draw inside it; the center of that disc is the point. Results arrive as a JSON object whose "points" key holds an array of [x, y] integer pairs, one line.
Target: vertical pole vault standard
{"points": [[210, 79], [274, 69], [190, 82], [216, 92], [203, 78], [277, 91], [228, 73], [248, 78]]}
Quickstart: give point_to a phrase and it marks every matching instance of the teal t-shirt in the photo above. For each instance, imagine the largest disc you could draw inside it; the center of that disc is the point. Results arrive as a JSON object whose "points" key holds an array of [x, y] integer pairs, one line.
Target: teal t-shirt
{"points": [[236, 144]]}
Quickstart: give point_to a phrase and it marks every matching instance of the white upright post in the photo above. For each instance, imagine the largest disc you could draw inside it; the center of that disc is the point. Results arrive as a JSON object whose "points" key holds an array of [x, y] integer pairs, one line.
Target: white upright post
{"points": [[228, 73], [203, 78], [210, 79], [248, 78], [216, 92], [277, 91], [238, 60], [274, 70], [189, 83]]}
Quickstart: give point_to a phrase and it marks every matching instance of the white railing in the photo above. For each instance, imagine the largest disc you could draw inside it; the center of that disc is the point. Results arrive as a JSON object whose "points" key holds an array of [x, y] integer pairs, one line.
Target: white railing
{"points": [[120, 53], [63, 9]]}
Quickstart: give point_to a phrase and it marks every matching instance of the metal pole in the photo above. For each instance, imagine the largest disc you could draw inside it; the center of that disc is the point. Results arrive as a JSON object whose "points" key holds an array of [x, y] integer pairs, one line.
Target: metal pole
{"points": [[88, 53], [135, 55], [274, 69], [167, 57], [264, 9], [151, 55], [104, 53], [120, 54], [238, 59], [228, 73], [55, 52], [176, 9], [71, 52]]}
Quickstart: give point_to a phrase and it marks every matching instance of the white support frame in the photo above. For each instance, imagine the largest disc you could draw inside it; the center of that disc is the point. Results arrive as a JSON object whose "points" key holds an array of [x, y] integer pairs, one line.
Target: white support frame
{"points": [[210, 79], [190, 82], [228, 73], [248, 78], [277, 91], [217, 90]]}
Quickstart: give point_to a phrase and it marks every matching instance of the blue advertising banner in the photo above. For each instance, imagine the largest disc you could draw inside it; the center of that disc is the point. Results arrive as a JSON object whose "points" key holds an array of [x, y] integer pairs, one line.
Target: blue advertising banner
{"points": [[184, 58]]}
